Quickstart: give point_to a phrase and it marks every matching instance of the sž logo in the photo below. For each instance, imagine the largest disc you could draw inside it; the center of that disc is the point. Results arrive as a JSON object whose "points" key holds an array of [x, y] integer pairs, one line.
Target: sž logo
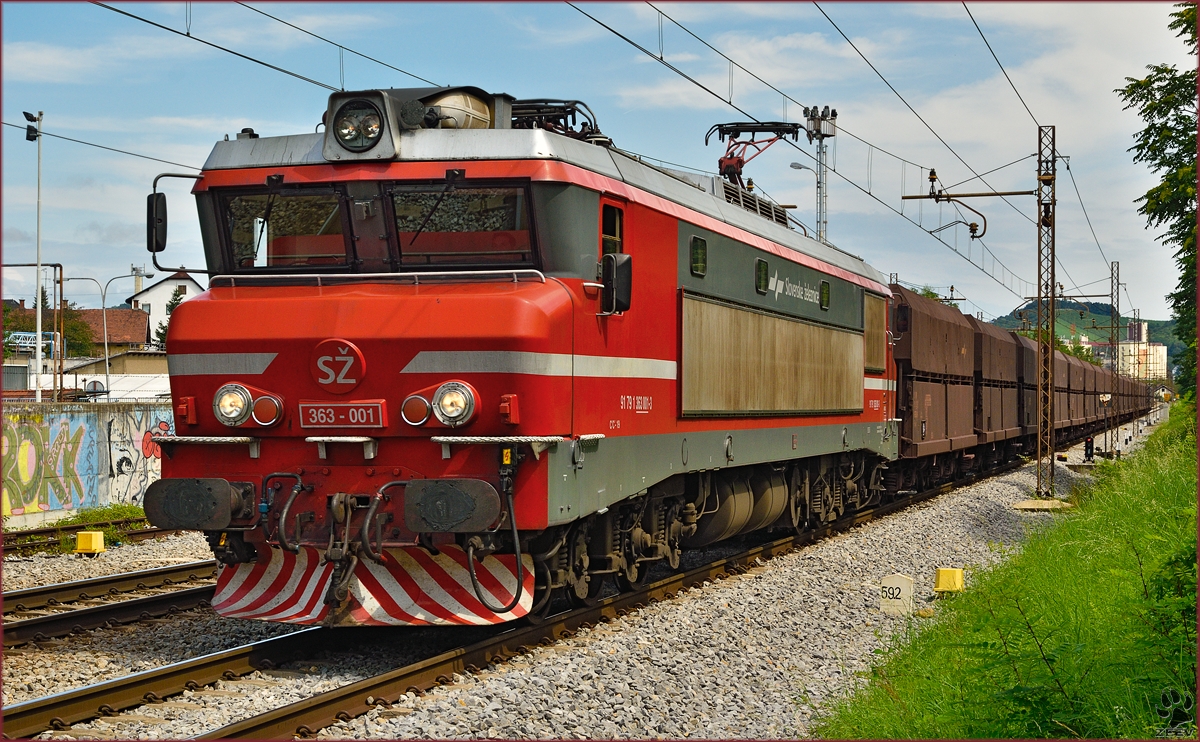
{"points": [[337, 365]]}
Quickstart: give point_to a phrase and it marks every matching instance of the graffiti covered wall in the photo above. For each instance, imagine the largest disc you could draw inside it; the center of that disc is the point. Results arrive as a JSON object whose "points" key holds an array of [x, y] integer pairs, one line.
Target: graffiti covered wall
{"points": [[58, 458]]}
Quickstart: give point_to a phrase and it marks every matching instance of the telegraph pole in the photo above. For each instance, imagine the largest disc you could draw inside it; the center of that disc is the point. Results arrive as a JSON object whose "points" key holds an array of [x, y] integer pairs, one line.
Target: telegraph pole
{"points": [[1045, 311]]}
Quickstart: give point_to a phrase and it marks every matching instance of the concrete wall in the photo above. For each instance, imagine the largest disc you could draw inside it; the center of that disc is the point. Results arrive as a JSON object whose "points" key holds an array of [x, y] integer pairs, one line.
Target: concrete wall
{"points": [[57, 458]]}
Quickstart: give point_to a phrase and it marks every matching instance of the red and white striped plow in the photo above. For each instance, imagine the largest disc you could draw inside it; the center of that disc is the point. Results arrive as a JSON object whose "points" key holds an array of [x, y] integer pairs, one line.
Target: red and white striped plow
{"points": [[413, 587]]}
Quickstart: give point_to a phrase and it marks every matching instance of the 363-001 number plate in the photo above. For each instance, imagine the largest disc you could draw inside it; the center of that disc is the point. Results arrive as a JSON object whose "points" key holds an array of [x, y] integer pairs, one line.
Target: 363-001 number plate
{"points": [[370, 413]]}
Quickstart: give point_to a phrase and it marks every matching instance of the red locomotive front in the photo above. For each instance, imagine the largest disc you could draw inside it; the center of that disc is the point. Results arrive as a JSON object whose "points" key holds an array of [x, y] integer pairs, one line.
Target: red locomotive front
{"points": [[459, 355]]}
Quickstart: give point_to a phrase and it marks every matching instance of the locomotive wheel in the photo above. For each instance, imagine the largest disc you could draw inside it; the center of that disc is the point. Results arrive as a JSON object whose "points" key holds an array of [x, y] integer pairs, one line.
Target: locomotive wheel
{"points": [[797, 507], [587, 587], [633, 576]]}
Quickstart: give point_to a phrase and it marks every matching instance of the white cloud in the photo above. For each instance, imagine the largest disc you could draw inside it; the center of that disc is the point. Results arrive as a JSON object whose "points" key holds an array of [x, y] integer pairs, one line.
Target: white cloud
{"points": [[41, 62], [12, 235], [112, 233]]}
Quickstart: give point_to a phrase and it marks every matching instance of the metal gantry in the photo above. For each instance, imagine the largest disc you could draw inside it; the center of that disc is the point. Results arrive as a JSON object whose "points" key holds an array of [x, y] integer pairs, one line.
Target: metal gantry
{"points": [[1045, 311]]}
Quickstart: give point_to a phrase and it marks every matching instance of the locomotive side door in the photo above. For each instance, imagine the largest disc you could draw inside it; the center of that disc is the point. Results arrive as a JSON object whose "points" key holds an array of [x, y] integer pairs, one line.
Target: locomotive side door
{"points": [[625, 370], [598, 334]]}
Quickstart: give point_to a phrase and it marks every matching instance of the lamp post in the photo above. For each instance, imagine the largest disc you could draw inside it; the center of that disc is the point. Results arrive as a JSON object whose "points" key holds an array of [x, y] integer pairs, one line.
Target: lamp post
{"points": [[104, 316], [35, 134], [820, 229]]}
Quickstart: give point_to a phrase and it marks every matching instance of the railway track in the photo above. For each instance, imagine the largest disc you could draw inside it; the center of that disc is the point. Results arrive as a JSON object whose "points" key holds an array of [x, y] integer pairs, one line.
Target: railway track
{"points": [[33, 614], [33, 540], [316, 712]]}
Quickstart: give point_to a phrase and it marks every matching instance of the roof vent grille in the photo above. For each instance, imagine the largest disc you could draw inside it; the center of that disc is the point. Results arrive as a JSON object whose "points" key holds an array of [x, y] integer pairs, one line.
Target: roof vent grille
{"points": [[735, 194]]}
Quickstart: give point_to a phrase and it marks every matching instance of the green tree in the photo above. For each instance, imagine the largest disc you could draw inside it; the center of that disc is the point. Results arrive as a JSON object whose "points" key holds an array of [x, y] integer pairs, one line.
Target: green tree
{"points": [[160, 334], [929, 293], [76, 332], [1166, 100]]}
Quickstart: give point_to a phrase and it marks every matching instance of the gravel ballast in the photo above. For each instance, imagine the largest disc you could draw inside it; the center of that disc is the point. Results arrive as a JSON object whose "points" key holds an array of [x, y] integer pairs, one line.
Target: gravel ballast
{"points": [[752, 656], [20, 572]]}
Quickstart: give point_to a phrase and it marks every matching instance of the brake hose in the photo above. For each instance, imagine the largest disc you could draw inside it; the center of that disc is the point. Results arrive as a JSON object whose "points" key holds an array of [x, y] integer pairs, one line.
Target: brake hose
{"points": [[512, 516]]}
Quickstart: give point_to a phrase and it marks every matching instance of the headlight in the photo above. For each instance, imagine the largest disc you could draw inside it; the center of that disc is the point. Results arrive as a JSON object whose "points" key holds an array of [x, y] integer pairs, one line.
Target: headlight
{"points": [[358, 125], [232, 404], [453, 403]]}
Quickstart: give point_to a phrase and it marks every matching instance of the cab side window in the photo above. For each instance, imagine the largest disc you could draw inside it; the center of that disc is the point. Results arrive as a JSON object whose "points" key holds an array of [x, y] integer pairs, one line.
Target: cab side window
{"points": [[612, 229]]}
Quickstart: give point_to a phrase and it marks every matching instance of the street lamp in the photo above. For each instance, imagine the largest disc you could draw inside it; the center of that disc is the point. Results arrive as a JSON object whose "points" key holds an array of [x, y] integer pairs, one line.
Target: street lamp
{"points": [[104, 316], [820, 221], [35, 134]]}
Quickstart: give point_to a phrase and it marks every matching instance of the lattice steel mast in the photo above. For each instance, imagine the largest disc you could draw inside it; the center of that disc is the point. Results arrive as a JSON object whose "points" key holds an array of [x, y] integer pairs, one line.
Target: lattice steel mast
{"points": [[1045, 311]]}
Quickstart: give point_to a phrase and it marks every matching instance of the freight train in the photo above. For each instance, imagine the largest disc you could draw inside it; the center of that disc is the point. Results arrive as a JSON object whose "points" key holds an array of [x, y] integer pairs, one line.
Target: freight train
{"points": [[460, 354]]}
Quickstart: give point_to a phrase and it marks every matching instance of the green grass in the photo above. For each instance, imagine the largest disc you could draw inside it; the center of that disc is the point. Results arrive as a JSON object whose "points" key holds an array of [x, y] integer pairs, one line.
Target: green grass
{"points": [[1078, 635], [112, 534]]}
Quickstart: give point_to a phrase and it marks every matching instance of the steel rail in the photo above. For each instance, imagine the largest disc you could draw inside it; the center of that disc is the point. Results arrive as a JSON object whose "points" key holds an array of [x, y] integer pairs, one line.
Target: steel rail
{"points": [[12, 545], [40, 628], [99, 587], [56, 530], [60, 710], [304, 718]]}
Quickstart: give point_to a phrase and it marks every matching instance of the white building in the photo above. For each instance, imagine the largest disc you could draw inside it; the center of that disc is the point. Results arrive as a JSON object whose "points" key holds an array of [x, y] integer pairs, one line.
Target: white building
{"points": [[154, 298], [1144, 360]]}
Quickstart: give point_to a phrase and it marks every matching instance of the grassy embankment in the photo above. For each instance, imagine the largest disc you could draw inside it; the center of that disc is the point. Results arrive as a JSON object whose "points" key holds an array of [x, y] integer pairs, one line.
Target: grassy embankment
{"points": [[112, 535], [1078, 635]]}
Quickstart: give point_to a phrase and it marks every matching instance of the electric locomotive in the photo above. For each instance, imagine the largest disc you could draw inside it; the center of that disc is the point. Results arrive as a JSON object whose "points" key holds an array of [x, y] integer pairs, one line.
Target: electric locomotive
{"points": [[460, 354]]}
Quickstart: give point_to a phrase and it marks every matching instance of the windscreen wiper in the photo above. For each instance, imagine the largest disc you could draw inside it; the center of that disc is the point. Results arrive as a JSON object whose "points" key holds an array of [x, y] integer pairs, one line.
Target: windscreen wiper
{"points": [[266, 217], [451, 177]]}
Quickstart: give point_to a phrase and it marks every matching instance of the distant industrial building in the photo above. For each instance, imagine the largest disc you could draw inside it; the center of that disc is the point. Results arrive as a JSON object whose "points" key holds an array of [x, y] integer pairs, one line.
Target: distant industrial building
{"points": [[1137, 357]]}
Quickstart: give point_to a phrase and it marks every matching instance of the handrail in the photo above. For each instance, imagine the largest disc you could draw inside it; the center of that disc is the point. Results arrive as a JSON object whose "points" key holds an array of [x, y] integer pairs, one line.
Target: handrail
{"points": [[324, 279]]}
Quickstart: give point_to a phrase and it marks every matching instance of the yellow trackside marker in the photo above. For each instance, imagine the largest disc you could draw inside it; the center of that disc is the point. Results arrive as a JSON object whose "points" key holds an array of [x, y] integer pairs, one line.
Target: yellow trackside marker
{"points": [[89, 542], [948, 581], [507, 456]]}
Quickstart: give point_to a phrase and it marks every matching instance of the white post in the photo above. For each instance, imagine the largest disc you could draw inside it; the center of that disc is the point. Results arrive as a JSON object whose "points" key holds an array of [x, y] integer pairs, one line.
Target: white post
{"points": [[37, 395], [822, 219], [104, 318]]}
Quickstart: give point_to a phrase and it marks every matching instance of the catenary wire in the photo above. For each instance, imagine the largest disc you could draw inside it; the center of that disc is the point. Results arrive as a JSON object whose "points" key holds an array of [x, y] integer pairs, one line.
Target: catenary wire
{"points": [[795, 146], [841, 128], [737, 64], [334, 43], [989, 172], [914, 112], [218, 46], [1006, 77], [101, 146], [1021, 99], [1085, 214]]}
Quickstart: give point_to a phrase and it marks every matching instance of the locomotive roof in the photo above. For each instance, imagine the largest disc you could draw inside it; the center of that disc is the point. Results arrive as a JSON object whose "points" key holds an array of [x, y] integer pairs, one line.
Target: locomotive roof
{"points": [[695, 191]]}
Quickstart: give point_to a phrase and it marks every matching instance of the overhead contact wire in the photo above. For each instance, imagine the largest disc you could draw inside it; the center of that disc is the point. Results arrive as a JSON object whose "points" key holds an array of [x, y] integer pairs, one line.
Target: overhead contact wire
{"points": [[795, 146], [218, 46], [1035, 121], [1006, 77], [340, 46], [737, 64], [919, 117], [110, 149]]}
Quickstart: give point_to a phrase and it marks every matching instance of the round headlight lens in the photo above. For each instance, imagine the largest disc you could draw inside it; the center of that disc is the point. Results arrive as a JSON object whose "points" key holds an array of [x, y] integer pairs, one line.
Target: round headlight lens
{"points": [[358, 125], [453, 403], [232, 404], [347, 129], [371, 126]]}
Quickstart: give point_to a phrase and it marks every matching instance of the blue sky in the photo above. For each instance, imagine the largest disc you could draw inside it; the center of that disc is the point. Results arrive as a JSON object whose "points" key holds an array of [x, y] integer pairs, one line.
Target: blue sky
{"points": [[109, 79]]}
